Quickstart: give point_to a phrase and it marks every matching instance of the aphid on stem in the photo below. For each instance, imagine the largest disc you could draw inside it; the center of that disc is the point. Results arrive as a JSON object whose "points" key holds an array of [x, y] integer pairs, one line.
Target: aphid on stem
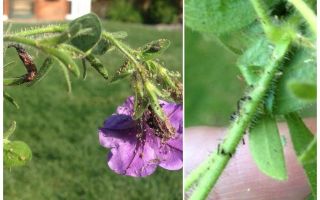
{"points": [[221, 151]]}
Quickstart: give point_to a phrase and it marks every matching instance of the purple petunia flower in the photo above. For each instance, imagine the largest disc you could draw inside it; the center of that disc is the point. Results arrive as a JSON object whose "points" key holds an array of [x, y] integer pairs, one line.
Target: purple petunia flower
{"points": [[137, 151]]}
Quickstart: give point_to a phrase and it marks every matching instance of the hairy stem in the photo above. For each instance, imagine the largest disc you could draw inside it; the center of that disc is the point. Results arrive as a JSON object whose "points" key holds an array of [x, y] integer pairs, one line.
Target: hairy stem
{"points": [[307, 13], [126, 51], [41, 30], [19, 39], [211, 173], [122, 47], [260, 9]]}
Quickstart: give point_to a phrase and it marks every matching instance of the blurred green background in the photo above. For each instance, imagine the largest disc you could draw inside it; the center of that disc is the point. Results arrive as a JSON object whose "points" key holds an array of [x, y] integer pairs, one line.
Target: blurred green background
{"points": [[140, 11], [61, 129], [213, 83]]}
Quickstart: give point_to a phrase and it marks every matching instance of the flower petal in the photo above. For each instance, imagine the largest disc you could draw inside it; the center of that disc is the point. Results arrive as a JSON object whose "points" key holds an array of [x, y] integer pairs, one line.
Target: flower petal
{"points": [[140, 157], [127, 107], [114, 138], [119, 122], [138, 160], [174, 113], [171, 154]]}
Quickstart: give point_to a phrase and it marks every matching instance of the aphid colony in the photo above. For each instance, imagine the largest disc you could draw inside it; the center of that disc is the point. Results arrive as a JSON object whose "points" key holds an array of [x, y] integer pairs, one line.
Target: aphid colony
{"points": [[234, 116]]}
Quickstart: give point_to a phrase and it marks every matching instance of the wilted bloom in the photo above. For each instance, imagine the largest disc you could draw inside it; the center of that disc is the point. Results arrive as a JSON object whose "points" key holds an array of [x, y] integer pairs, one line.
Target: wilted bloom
{"points": [[136, 146]]}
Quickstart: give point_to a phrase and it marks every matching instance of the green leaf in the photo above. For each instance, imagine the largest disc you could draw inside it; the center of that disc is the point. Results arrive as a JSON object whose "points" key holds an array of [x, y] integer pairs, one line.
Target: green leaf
{"points": [[220, 16], [124, 71], [301, 136], [64, 57], [102, 47], [16, 153], [254, 60], [14, 81], [63, 37], [301, 68], [8, 97], [162, 73], [154, 49], [9, 63], [10, 130], [240, 40], [43, 71], [303, 91], [309, 197], [119, 34], [90, 32], [96, 63], [66, 76], [304, 144], [310, 154], [152, 92], [266, 148], [84, 65], [141, 102]]}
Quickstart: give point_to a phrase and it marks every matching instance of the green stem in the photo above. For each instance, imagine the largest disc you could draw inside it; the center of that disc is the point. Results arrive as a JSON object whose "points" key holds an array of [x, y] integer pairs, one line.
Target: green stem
{"points": [[19, 39], [126, 51], [307, 13], [41, 30], [260, 9], [212, 173], [122, 47], [195, 174]]}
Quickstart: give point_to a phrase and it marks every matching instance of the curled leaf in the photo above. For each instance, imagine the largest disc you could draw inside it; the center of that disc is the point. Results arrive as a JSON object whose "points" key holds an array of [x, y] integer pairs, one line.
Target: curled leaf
{"points": [[10, 130], [64, 57], [154, 49], [124, 71], [8, 97], [66, 76], [43, 71], [90, 33], [152, 92], [84, 65], [27, 62], [96, 63], [102, 47], [141, 101]]}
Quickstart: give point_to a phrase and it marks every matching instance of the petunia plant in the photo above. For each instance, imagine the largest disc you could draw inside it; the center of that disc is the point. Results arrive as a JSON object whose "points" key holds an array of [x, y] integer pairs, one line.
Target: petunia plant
{"points": [[146, 131], [275, 44]]}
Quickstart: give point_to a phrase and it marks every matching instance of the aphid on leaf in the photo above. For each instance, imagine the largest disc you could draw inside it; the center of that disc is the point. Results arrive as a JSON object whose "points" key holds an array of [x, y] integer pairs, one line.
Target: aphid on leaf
{"points": [[27, 61]]}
